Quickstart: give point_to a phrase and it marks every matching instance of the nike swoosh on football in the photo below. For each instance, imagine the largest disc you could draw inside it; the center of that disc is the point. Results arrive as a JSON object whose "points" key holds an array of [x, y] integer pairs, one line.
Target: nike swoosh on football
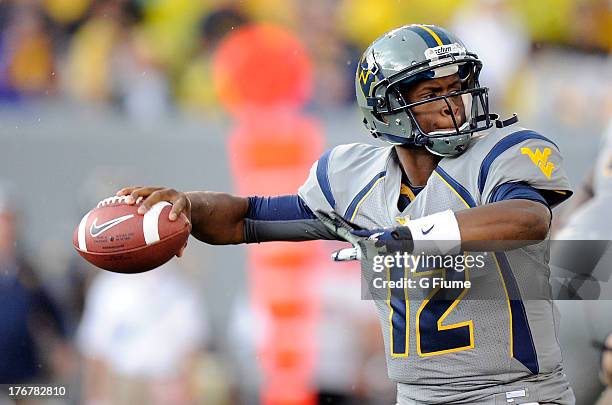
{"points": [[97, 230], [425, 232]]}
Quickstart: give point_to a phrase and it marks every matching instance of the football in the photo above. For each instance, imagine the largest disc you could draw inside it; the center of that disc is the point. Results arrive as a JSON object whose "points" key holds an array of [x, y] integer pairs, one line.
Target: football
{"points": [[114, 237]]}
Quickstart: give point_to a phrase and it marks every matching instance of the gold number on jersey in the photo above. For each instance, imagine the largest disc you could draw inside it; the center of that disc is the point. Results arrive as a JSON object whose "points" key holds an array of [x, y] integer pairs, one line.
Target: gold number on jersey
{"points": [[432, 336]]}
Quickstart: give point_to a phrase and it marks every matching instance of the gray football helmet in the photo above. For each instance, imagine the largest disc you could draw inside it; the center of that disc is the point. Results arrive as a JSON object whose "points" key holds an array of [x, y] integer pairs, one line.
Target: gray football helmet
{"points": [[409, 54]]}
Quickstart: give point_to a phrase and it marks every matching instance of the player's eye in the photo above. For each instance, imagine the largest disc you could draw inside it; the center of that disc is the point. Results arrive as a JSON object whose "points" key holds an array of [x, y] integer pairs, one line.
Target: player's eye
{"points": [[454, 89]]}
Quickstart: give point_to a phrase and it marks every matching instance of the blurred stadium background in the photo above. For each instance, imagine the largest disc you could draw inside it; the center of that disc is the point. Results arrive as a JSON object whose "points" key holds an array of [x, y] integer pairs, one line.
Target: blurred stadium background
{"points": [[99, 94]]}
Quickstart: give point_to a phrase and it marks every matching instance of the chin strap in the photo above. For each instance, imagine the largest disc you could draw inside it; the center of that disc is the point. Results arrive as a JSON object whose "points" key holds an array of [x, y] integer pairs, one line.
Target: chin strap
{"points": [[498, 123], [507, 122], [484, 117]]}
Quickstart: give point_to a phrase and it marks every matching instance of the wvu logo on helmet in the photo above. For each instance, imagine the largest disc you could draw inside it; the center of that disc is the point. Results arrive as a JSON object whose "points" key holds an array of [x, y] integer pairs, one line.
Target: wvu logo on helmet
{"points": [[540, 159], [366, 75]]}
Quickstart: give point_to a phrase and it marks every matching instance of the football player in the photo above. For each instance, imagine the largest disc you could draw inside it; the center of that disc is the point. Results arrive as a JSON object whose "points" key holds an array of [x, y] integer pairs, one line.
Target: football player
{"points": [[452, 173]]}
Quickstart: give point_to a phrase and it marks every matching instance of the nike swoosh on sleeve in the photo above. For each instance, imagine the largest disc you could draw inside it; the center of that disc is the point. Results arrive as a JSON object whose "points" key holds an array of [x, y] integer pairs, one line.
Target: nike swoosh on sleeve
{"points": [[425, 232]]}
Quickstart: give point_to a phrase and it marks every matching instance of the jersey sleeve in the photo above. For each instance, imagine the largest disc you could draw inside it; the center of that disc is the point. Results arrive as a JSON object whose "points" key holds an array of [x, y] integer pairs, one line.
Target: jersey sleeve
{"points": [[316, 192], [517, 191], [339, 175], [524, 157]]}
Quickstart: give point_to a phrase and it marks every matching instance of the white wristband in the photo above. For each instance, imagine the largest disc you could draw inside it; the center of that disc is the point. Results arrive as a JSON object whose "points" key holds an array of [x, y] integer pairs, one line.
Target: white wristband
{"points": [[436, 234]]}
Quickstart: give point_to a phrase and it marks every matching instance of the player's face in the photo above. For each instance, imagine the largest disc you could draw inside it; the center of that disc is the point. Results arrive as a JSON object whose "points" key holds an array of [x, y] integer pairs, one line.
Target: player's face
{"points": [[436, 115]]}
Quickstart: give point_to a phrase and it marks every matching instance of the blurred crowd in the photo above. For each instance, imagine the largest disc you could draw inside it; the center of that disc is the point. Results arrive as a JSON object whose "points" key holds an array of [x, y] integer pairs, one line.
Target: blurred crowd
{"points": [[150, 57], [147, 339]]}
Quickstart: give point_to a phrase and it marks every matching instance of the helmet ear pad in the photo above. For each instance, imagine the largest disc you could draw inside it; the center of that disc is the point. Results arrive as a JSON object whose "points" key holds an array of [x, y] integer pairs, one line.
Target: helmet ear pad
{"points": [[391, 123]]}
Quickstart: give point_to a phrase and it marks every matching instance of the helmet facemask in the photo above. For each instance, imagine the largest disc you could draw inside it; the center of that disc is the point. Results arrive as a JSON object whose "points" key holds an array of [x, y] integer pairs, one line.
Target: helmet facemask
{"points": [[392, 109]]}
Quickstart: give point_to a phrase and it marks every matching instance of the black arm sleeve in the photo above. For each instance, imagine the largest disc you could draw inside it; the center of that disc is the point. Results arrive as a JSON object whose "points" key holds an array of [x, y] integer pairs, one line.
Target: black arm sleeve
{"points": [[283, 218], [297, 230]]}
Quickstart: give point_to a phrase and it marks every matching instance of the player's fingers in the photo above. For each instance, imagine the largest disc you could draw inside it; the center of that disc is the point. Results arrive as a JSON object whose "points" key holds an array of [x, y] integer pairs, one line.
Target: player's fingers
{"points": [[126, 190], [142, 193], [151, 197], [346, 254], [156, 196], [178, 207]]}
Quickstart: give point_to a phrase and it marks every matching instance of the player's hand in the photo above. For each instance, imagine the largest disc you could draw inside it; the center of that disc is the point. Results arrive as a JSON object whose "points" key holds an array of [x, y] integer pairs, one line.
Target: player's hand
{"points": [[398, 239], [149, 196], [340, 226]]}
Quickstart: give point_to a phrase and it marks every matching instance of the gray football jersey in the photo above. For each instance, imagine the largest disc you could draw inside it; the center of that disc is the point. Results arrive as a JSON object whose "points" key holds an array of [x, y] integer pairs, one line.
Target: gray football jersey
{"points": [[479, 343]]}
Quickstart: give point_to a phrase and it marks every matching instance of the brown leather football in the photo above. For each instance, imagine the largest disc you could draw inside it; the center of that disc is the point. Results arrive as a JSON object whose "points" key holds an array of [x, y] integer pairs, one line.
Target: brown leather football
{"points": [[114, 237]]}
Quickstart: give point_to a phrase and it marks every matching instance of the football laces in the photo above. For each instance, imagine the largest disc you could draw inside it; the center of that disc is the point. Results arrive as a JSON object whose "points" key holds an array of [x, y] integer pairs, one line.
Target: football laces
{"points": [[116, 200]]}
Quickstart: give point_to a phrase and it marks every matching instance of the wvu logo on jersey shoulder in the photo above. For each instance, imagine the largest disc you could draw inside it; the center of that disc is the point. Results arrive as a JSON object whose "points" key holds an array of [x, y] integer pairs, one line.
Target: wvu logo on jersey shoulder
{"points": [[540, 159]]}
